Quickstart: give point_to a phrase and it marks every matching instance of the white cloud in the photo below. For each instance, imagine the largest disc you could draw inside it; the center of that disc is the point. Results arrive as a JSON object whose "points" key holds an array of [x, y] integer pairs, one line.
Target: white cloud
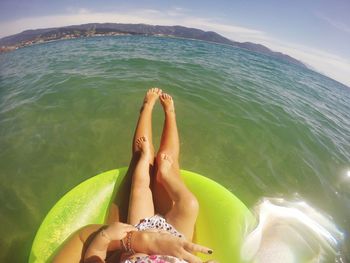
{"points": [[324, 62], [177, 11], [236, 33], [329, 64], [334, 23]]}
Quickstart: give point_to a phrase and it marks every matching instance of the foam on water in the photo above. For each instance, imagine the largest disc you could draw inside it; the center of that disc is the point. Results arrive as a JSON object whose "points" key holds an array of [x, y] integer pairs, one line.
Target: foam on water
{"points": [[291, 232]]}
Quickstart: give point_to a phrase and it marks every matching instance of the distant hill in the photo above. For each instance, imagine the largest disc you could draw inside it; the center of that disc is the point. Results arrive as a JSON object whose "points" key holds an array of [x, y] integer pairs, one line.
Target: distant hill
{"points": [[40, 35]]}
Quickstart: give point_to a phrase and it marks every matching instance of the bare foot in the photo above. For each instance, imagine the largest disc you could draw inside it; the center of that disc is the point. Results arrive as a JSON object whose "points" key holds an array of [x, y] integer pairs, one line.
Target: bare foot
{"points": [[167, 102], [151, 96], [144, 146], [164, 164]]}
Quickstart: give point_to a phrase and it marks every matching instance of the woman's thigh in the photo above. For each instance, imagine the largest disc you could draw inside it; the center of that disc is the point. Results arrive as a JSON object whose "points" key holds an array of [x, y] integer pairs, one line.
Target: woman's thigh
{"points": [[184, 211]]}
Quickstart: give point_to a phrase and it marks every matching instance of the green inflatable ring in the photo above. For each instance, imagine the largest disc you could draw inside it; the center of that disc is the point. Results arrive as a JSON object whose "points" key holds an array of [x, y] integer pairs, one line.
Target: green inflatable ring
{"points": [[221, 222]]}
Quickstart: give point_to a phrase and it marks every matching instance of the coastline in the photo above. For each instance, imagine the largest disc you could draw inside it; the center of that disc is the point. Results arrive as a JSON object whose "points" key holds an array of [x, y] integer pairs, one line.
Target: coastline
{"points": [[53, 39]]}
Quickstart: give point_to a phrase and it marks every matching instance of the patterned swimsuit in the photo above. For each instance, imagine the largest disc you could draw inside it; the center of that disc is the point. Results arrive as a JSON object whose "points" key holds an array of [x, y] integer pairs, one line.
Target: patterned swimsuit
{"points": [[159, 223], [154, 259]]}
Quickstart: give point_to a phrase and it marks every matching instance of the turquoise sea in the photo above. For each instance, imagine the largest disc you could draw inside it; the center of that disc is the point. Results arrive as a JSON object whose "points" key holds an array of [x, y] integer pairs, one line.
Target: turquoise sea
{"points": [[259, 126]]}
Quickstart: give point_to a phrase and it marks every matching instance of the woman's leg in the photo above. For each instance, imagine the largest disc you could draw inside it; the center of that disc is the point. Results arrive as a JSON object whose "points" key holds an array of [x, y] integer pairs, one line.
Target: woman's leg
{"points": [[184, 206], [141, 202], [144, 123], [169, 143], [122, 204]]}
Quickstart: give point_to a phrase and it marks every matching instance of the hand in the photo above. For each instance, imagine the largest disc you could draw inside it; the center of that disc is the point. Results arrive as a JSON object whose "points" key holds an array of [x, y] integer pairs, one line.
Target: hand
{"points": [[166, 244], [117, 230], [108, 237]]}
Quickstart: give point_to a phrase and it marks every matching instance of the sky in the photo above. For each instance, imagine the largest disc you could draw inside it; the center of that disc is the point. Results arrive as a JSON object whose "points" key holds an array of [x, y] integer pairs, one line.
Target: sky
{"points": [[317, 32]]}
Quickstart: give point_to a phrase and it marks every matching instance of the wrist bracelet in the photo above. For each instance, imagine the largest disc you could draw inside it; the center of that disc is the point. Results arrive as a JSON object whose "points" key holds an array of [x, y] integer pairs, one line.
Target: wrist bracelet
{"points": [[128, 243], [122, 244]]}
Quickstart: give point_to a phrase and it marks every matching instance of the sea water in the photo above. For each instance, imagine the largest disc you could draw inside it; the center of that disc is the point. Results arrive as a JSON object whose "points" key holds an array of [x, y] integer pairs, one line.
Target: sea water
{"points": [[257, 125]]}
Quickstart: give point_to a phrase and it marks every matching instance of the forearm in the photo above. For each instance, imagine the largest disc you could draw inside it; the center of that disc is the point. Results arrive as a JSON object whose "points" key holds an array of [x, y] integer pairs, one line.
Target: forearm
{"points": [[97, 250], [101, 243], [88, 242], [141, 242]]}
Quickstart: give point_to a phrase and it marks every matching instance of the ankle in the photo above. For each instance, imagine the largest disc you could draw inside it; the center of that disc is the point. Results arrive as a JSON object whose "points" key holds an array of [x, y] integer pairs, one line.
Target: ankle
{"points": [[170, 112], [146, 107], [148, 103]]}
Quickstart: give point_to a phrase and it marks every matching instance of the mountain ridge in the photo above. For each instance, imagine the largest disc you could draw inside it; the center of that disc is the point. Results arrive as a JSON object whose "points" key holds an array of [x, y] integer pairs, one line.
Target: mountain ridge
{"points": [[33, 36]]}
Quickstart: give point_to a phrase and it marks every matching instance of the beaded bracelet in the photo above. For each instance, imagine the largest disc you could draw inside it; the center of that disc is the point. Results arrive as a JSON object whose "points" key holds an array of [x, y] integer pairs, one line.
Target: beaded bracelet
{"points": [[122, 244], [128, 243]]}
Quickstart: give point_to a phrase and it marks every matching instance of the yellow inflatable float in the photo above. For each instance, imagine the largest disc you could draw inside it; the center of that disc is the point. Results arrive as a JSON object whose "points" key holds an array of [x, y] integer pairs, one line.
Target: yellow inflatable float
{"points": [[221, 222]]}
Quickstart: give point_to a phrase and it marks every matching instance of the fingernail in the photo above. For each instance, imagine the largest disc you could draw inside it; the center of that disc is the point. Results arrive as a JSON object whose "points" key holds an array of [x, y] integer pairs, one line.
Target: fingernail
{"points": [[210, 251]]}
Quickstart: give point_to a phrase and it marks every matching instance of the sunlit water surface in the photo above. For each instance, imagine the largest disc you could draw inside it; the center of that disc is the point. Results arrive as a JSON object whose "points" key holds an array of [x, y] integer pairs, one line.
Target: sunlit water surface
{"points": [[257, 125]]}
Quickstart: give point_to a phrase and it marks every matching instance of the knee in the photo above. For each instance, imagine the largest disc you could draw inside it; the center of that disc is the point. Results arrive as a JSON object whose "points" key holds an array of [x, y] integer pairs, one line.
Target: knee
{"points": [[159, 155], [193, 204], [140, 191], [140, 180], [189, 204], [139, 184]]}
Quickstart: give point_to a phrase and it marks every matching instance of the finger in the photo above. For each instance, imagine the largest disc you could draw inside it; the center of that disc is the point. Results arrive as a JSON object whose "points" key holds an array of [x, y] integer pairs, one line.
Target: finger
{"points": [[126, 227], [190, 257], [192, 247], [129, 228]]}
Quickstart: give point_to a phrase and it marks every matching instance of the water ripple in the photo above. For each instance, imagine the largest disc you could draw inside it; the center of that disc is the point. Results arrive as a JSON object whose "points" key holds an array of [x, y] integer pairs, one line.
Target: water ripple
{"points": [[259, 126]]}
